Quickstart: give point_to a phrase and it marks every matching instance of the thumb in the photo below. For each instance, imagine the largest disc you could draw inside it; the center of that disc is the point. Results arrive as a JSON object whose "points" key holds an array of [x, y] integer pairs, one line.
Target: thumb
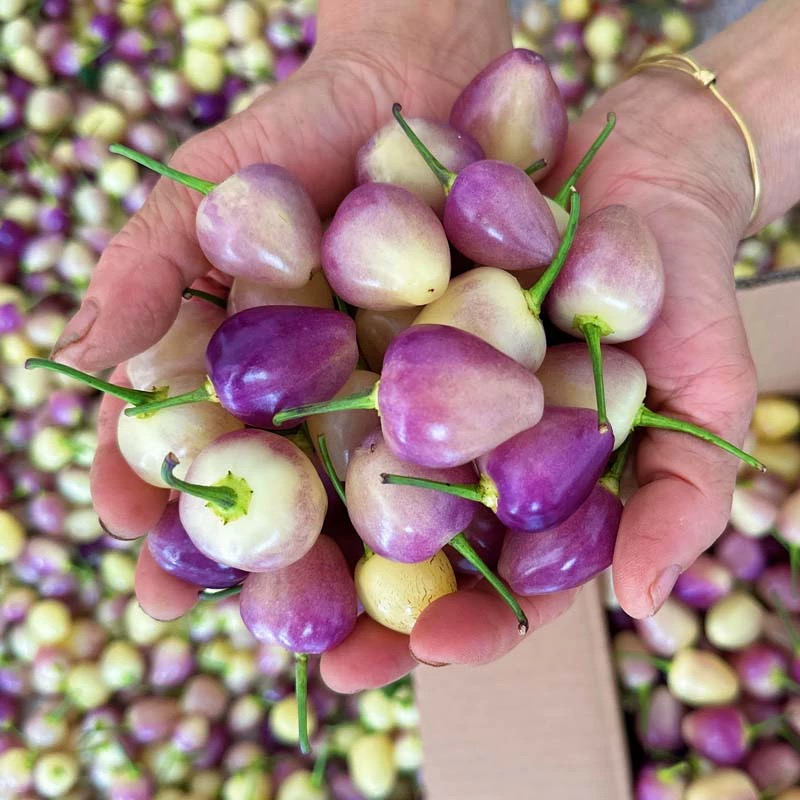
{"points": [[135, 291]]}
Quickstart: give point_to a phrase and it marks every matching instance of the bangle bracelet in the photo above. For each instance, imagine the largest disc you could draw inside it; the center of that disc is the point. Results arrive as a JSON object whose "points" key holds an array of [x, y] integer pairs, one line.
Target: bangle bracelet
{"points": [[687, 65]]}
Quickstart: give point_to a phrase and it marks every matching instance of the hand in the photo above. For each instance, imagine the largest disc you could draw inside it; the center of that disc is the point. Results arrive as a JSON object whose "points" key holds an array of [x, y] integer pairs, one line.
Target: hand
{"points": [[686, 485]]}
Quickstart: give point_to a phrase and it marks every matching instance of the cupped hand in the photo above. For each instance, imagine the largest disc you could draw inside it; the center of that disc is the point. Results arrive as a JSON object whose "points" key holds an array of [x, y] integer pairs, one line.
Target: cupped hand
{"points": [[696, 355]]}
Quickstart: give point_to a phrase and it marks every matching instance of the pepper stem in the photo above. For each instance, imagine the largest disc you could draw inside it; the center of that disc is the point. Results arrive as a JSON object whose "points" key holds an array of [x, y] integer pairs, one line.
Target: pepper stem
{"points": [[135, 397], [198, 395], [770, 725], [325, 456], [189, 293], [462, 546], [469, 491], [229, 499], [615, 469], [444, 175], [563, 193], [645, 418], [318, 771], [536, 166], [794, 566], [162, 169], [366, 399], [669, 774], [301, 692], [218, 594], [593, 329], [536, 294]]}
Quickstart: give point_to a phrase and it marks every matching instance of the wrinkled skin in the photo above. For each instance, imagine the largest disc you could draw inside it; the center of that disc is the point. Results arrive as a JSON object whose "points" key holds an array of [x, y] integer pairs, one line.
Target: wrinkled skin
{"points": [[695, 354]]}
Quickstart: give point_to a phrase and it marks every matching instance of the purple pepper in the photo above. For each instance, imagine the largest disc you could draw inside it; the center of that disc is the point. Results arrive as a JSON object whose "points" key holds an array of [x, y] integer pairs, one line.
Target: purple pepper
{"points": [[175, 553], [515, 111], [13, 238], [46, 513], [11, 318], [103, 27], [719, 734], [277, 606], [567, 555], [133, 46], [445, 396], [53, 219], [56, 9], [260, 223], [703, 583], [269, 358], [209, 109], [545, 473], [654, 783], [762, 670], [774, 766], [494, 214], [658, 723], [568, 38], [403, 523], [309, 29], [287, 64], [776, 587]]}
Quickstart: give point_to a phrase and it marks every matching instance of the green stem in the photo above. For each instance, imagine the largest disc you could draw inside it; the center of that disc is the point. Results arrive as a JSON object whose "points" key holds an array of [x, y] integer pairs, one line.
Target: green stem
{"points": [[322, 443], [615, 469], [368, 551], [198, 395], [189, 293], [770, 725], [460, 544], [340, 304], [668, 774], [593, 329], [536, 166], [218, 594], [790, 685], [469, 491], [536, 294], [563, 193], [645, 418], [787, 733], [444, 175], [366, 399], [162, 169], [223, 497], [135, 397], [301, 692], [318, 772], [794, 566], [644, 695]]}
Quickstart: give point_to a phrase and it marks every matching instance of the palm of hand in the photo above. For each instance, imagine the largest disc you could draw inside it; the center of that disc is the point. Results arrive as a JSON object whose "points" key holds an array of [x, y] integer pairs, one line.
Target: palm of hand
{"points": [[695, 356]]}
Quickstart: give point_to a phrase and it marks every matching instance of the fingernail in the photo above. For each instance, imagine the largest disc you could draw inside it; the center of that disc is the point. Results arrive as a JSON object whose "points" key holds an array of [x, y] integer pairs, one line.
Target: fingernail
{"points": [[78, 326], [661, 587], [427, 663]]}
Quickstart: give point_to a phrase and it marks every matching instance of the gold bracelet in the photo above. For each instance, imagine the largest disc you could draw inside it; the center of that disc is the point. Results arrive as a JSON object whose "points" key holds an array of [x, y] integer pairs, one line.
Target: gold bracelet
{"points": [[687, 65]]}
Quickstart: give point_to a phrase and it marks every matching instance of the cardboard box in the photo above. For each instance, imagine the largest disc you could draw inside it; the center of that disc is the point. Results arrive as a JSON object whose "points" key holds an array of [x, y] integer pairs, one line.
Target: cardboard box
{"points": [[544, 722]]}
